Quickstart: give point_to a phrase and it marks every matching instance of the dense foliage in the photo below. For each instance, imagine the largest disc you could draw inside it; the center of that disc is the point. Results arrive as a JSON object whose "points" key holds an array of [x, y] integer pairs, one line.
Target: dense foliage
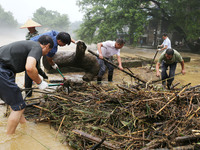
{"points": [[7, 19], [51, 20], [109, 19]]}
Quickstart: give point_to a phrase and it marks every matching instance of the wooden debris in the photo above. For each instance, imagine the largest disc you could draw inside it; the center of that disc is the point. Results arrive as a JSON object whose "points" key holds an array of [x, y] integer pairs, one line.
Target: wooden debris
{"points": [[95, 139], [129, 118]]}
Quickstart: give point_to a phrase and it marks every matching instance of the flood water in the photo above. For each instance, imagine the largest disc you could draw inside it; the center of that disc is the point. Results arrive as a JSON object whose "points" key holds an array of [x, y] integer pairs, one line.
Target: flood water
{"points": [[31, 136], [40, 136]]}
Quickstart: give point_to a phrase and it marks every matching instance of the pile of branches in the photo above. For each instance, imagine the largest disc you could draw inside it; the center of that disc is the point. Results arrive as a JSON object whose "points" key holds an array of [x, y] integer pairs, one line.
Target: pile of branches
{"points": [[124, 117]]}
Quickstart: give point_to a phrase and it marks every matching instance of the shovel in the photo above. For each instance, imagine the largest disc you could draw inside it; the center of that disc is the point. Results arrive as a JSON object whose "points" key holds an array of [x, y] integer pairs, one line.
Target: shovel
{"points": [[154, 58]]}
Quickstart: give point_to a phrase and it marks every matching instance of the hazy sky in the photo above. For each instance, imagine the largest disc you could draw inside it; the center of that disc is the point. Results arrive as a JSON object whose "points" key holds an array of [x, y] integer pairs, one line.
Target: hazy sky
{"points": [[24, 9]]}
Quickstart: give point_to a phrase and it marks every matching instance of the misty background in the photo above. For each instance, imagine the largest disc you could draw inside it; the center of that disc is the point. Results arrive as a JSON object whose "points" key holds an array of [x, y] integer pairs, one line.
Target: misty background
{"points": [[57, 15]]}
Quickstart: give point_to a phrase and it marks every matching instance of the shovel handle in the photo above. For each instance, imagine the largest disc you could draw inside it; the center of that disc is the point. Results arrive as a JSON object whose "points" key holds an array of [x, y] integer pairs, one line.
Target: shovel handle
{"points": [[61, 73], [153, 59]]}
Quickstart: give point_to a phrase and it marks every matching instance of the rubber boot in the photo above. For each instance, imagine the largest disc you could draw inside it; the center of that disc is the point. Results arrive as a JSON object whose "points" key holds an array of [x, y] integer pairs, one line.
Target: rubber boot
{"points": [[164, 85], [110, 78], [99, 80], [168, 86]]}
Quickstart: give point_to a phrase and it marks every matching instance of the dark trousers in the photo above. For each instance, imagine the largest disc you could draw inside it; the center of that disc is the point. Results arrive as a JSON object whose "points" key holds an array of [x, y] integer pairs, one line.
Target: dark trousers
{"points": [[103, 66], [172, 69], [29, 81]]}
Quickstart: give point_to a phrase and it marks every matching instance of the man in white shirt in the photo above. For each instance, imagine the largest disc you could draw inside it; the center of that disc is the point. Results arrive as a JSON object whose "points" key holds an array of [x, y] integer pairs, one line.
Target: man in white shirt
{"points": [[166, 43], [107, 49]]}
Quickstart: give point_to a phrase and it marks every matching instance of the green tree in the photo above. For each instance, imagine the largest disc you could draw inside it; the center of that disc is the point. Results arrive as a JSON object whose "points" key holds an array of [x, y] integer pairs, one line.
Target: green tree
{"points": [[110, 19], [177, 15], [51, 20], [7, 19]]}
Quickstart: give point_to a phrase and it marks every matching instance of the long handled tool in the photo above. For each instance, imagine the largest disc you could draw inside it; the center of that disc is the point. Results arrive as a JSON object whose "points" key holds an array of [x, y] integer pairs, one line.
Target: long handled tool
{"points": [[29, 89], [56, 84], [61, 73], [166, 78], [154, 58], [66, 83], [93, 53]]}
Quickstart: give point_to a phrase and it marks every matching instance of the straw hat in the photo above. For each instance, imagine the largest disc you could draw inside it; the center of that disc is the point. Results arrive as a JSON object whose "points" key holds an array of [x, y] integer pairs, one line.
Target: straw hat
{"points": [[30, 23]]}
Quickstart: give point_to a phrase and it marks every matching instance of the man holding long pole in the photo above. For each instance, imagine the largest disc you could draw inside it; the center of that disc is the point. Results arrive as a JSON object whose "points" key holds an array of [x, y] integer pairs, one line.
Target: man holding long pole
{"points": [[169, 58], [107, 49]]}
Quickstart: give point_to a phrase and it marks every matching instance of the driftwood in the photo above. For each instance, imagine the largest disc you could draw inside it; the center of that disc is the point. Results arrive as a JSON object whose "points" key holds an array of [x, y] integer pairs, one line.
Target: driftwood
{"points": [[95, 139], [188, 138], [129, 118], [78, 59]]}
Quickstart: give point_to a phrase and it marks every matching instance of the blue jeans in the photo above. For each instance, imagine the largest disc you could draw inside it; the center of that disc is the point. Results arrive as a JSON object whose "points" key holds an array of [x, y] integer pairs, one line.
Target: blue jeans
{"points": [[172, 69]]}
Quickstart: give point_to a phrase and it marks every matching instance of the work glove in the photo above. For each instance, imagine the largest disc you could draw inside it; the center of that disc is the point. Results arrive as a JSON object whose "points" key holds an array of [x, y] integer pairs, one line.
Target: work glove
{"points": [[43, 85], [159, 49], [55, 66]]}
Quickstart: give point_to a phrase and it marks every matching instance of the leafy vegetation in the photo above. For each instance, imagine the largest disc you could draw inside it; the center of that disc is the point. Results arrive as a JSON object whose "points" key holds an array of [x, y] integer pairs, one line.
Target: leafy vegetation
{"points": [[51, 20], [7, 19], [110, 19]]}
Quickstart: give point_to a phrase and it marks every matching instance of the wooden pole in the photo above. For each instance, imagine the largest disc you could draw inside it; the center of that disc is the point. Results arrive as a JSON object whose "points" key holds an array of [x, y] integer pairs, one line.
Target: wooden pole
{"points": [[93, 53], [60, 126], [95, 139], [173, 98]]}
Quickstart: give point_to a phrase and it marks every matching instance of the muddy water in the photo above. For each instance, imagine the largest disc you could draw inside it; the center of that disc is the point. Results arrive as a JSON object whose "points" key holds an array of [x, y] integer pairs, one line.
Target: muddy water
{"points": [[30, 136], [192, 68]]}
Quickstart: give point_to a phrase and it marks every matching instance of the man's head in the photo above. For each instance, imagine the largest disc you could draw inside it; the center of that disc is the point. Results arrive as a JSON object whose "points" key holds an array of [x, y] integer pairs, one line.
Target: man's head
{"points": [[164, 36], [63, 38], [31, 29], [119, 43], [169, 53], [46, 43]]}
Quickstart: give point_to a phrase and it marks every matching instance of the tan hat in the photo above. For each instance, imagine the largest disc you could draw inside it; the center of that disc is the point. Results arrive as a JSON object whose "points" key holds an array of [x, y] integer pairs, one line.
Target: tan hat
{"points": [[30, 23]]}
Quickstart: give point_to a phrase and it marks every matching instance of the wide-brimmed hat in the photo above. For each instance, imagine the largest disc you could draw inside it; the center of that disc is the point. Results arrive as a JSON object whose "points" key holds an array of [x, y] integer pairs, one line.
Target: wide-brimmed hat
{"points": [[30, 23]]}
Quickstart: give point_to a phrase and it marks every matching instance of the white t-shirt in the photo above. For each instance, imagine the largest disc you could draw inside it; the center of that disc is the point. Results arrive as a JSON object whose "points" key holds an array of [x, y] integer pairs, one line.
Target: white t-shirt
{"points": [[167, 42], [108, 49]]}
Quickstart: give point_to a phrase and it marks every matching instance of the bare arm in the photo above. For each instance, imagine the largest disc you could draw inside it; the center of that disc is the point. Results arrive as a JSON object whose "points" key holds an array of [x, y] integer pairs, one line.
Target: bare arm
{"points": [[120, 62], [32, 70], [50, 60], [164, 48], [99, 45], [157, 69], [73, 41], [183, 68]]}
